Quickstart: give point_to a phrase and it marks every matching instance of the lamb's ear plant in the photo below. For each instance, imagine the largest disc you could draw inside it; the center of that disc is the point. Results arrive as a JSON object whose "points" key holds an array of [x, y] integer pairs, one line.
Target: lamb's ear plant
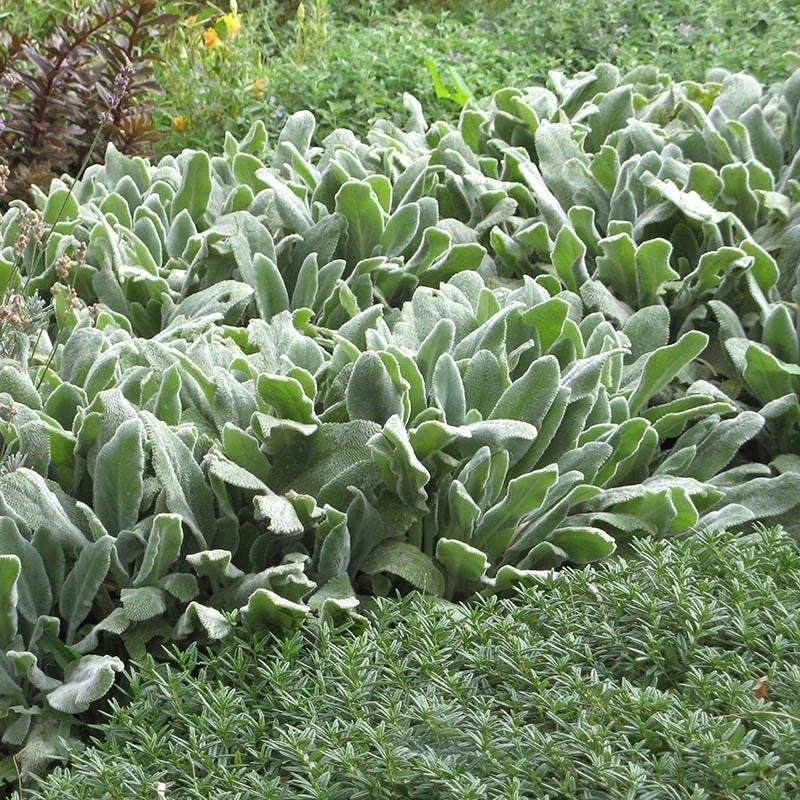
{"points": [[445, 359]]}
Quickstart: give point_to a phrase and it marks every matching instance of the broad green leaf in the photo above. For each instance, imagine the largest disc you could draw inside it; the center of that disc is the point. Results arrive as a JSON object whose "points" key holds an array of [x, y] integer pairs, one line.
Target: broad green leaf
{"points": [[28, 498], [447, 390], [85, 681], [357, 203], [484, 382], [402, 471], [663, 365], [648, 330], [271, 293], [768, 377], [215, 564], [337, 592], [33, 587], [462, 563], [334, 551], [767, 497], [333, 457], [268, 611], [119, 478], [194, 192], [200, 619], [185, 490], [718, 449], [371, 393], [143, 603], [83, 583], [406, 562], [10, 568], [529, 397], [583, 544], [116, 623], [231, 473], [523, 495], [282, 515], [162, 549], [400, 231]]}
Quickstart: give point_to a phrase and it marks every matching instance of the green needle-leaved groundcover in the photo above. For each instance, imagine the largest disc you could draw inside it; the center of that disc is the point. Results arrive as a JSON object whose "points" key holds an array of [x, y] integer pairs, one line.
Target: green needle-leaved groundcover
{"points": [[672, 675]]}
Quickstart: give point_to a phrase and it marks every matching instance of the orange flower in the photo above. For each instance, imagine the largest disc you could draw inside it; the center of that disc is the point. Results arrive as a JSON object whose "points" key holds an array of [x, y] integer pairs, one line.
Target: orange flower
{"points": [[257, 87], [180, 123], [210, 39]]}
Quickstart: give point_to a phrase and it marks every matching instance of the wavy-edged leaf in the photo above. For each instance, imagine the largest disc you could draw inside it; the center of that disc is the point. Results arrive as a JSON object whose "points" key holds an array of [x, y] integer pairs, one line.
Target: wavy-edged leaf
{"points": [[85, 681]]}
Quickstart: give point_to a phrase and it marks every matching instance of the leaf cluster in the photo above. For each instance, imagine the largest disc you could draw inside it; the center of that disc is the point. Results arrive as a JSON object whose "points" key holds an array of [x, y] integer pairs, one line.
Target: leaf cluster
{"points": [[83, 85], [446, 358], [672, 675]]}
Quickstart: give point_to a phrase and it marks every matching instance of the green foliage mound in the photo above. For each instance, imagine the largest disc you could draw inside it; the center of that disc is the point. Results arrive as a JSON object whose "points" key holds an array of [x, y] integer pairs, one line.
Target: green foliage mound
{"points": [[284, 377], [673, 675]]}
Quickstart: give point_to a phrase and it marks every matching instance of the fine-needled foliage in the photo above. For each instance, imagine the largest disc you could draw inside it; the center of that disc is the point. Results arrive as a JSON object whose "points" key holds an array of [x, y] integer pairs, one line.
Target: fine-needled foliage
{"points": [[281, 378], [673, 675]]}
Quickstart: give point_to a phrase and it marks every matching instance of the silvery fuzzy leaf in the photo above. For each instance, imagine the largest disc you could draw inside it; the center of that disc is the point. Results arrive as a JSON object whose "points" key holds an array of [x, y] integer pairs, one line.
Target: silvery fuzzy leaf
{"points": [[27, 497], [10, 568], [119, 474], [33, 587], [266, 610], [85, 681], [201, 619], [407, 562], [82, 584], [143, 603]]}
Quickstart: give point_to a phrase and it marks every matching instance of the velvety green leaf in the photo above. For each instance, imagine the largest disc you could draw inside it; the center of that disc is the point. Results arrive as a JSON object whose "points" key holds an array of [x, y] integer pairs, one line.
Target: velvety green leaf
{"points": [[10, 568], [462, 563], [28, 498], [334, 552], [447, 390], [215, 564], [231, 473], [583, 544], [371, 393], [83, 583], [271, 293], [336, 455], [484, 382], [357, 203], [268, 611], [663, 365], [194, 192], [400, 231], [119, 478], [184, 486], [143, 603], [402, 471], [523, 495], [200, 619], [162, 549], [719, 448], [85, 681], [406, 562], [34, 596], [116, 623], [530, 396], [182, 585]]}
